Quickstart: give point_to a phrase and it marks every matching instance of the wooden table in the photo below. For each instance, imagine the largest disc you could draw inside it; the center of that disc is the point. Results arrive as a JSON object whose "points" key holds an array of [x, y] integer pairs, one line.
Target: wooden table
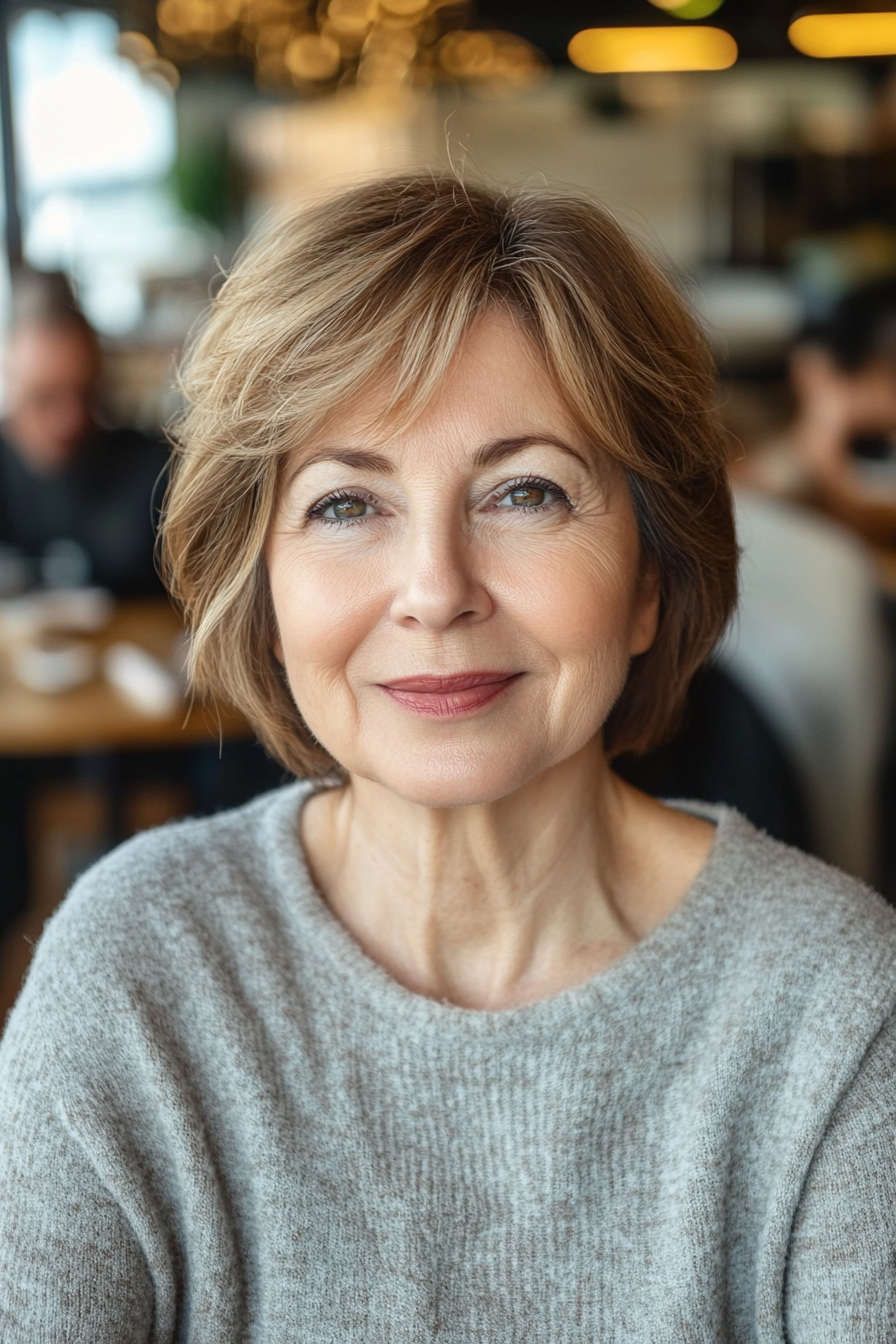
{"points": [[94, 717]]}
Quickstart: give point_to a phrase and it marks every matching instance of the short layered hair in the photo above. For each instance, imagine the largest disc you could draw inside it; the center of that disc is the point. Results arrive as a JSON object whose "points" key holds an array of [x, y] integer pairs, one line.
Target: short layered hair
{"points": [[383, 283]]}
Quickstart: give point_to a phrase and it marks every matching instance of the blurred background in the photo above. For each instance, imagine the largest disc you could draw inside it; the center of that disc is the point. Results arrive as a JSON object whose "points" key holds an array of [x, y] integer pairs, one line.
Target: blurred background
{"points": [[751, 147]]}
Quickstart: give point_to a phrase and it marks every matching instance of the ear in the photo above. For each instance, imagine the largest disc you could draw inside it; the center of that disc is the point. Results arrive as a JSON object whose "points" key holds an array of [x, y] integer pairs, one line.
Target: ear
{"points": [[647, 611]]}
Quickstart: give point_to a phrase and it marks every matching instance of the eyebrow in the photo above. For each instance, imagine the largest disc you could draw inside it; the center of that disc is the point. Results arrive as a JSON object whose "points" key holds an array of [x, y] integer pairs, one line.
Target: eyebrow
{"points": [[487, 455], [496, 450]]}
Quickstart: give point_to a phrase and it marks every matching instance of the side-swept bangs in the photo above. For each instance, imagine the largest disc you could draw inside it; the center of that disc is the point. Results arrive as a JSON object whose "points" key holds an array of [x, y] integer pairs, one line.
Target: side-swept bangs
{"points": [[391, 277]]}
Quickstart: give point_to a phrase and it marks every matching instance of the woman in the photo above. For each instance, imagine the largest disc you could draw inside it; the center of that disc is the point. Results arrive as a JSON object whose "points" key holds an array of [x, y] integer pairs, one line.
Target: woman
{"points": [[467, 1038]]}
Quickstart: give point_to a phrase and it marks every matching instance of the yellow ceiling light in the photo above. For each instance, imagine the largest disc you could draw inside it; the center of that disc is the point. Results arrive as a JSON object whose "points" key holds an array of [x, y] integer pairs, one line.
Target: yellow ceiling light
{"points": [[827, 35], [604, 51]]}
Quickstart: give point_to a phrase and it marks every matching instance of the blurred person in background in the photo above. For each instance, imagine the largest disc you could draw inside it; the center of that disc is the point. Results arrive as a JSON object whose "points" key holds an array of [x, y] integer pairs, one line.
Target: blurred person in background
{"points": [[76, 497], [810, 644], [839, 450], [76, 503]]}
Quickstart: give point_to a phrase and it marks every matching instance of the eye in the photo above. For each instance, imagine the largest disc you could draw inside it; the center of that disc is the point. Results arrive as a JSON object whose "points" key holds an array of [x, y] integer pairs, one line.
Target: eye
{"points": [[524, 497], [343, 507], [529, 495]]}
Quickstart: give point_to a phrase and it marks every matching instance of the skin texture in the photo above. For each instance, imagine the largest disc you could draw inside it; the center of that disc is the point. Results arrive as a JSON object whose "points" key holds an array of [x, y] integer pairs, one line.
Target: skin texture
{"points": [[51, 375], [488, 857]]}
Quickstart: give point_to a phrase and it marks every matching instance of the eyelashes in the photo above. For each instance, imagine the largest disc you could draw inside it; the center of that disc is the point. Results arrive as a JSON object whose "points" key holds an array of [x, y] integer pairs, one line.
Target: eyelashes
{"points": [[347, 499], [351, 507], [529, 485]]}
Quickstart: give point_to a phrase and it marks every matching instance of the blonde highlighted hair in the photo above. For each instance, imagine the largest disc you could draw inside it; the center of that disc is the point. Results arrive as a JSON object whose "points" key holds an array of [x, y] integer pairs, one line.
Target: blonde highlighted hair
{"points": [[388, 279]]}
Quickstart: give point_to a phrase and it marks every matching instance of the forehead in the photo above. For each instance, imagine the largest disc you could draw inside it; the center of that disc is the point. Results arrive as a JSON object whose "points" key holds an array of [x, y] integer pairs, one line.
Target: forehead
{"points": [[496, 385], [51, 353]]}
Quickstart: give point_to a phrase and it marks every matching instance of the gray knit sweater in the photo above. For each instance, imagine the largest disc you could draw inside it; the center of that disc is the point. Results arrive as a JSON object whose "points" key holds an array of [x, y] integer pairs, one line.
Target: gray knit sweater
{"points": [[220, 1122]]}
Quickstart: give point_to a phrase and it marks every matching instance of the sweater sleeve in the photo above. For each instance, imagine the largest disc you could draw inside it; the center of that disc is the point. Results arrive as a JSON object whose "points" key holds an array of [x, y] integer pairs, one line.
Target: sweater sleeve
{"points": [[841, 1272], [71, 1267]]}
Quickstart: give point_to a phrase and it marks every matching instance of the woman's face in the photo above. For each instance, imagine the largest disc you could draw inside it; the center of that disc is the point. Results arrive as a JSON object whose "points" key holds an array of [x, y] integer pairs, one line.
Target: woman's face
{"points": [[457, 602]]}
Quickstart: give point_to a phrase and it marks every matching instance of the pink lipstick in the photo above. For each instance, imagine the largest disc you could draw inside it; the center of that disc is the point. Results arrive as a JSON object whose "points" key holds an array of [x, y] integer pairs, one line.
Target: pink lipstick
{"points": [[448, 696]]}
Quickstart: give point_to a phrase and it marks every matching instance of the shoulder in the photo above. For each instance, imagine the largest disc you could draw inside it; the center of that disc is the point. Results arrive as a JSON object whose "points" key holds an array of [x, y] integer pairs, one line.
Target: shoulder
{"points": [[156, 948], [788, 925], [161, 898], [195, 861], [792, 888]]}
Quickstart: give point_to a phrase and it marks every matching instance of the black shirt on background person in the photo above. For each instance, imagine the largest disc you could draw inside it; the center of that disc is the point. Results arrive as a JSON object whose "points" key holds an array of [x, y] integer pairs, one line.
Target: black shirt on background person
{"points": [[103, 504]]}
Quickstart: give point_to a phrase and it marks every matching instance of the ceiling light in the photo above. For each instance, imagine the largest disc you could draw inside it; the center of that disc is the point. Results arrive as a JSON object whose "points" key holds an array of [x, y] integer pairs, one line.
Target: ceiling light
{"points": [[826, 35], [631, 50]]}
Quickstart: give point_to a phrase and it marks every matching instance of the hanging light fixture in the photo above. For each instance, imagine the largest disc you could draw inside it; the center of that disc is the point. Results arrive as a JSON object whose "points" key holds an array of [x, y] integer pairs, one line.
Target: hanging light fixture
{"points": [[639, 50], [855, 33]]}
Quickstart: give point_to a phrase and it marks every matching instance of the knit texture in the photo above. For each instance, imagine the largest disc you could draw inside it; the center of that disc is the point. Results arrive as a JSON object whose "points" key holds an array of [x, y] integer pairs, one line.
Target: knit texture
{"points": [[221, 1122]]}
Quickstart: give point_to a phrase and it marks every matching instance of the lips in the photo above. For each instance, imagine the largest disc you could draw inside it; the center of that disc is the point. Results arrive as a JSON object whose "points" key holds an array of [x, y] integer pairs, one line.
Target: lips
{"points": [[448, 696]]}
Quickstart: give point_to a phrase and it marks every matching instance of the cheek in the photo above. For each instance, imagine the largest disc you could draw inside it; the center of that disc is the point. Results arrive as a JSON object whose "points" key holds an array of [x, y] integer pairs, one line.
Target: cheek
{"points": [[578, 602], [323, 611]]}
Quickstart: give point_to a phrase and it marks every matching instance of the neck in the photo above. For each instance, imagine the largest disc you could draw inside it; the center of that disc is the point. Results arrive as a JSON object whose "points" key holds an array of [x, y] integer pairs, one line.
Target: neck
{"points": [[498, 904]]}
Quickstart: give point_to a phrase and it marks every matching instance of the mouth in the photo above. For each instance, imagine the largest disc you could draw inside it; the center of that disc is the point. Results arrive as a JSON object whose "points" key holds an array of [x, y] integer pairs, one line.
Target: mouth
{"points": [[448, 696]]}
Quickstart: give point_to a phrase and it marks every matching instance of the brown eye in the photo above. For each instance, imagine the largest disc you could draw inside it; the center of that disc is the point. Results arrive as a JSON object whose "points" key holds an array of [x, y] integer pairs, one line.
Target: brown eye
{"points": [[529, 496], [343, 508], [526, 496]]}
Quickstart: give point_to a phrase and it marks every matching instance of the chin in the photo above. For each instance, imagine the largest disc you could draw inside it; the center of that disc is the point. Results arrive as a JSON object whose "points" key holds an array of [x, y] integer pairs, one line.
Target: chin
{"points": [[452, 779]]}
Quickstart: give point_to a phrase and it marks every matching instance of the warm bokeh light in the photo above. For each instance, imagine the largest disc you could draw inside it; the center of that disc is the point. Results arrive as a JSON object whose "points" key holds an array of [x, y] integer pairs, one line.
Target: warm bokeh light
{"points": [[635, 50], [828, 35], [492, 60], [136, 47], [371, 43], [350, 17], [404, 8], [313, 56]]}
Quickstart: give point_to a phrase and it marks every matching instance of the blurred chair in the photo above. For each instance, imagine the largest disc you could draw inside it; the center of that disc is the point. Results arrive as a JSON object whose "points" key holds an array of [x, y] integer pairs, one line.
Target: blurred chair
{"points": [[789, 723], [726, 752], [810, 649]]}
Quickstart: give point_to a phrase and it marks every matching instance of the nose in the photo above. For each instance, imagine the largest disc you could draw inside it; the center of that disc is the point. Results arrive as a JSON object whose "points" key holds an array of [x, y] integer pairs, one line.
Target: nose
{"points": [[437, 584]]}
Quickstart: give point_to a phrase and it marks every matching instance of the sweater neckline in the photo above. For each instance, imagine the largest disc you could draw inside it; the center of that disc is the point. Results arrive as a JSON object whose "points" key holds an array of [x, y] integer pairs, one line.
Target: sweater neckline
{"points": [[669, 950]]}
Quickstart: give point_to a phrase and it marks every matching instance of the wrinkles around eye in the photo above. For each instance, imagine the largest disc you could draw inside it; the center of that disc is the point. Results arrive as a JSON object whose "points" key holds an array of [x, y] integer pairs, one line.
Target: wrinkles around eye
{"points": [[545, 494]]}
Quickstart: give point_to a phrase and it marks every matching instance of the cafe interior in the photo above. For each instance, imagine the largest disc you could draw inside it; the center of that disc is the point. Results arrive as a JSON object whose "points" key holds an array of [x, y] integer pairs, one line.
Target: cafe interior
{"points": [[749, 146]]}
